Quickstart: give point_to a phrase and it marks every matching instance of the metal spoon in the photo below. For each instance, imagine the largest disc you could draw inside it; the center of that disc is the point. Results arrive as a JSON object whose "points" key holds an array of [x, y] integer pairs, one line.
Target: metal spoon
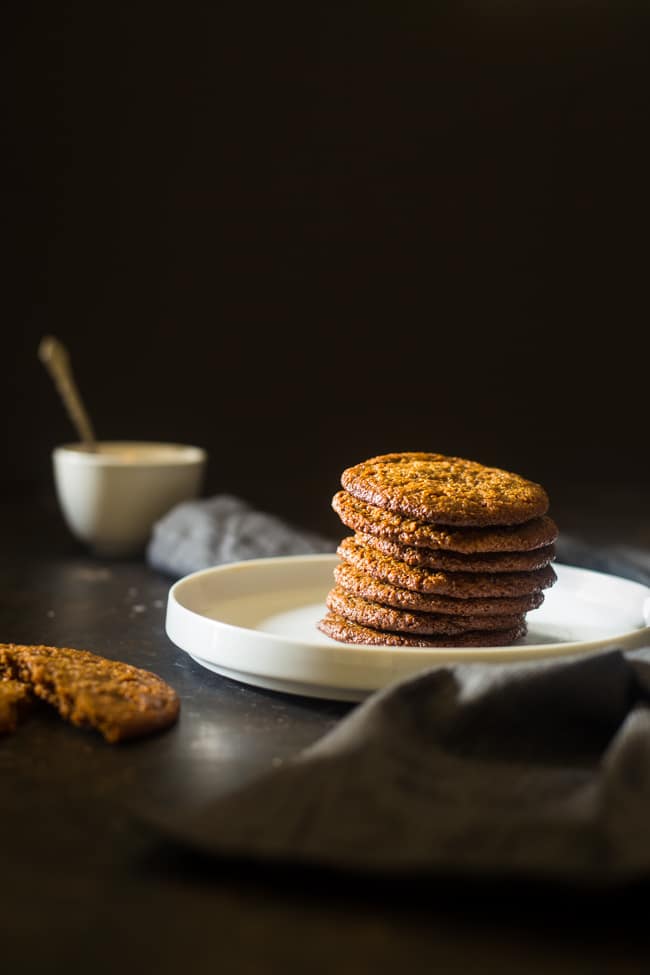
{"points": [[54, 356]]}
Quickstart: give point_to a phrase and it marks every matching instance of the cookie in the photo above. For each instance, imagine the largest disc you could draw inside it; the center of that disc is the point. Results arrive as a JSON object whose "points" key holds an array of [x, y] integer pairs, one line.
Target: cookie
{"points": [[338, 628], [431, 558], [363, 517], [359, 583], [14, 699], [378, 617], [117, 699], [463, 585], [445, 490]]}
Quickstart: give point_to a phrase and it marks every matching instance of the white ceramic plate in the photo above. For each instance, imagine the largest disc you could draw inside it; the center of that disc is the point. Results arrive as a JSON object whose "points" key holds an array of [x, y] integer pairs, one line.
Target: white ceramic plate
{"points": [[255, 621]]}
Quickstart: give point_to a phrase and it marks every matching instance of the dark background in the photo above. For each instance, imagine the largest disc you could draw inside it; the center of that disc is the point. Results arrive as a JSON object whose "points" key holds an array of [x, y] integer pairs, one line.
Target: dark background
{"points": [[300, 236]]}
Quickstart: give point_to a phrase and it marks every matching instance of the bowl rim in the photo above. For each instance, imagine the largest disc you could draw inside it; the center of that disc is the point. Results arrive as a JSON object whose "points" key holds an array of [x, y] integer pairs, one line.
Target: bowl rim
{"points": [[78, 453]]}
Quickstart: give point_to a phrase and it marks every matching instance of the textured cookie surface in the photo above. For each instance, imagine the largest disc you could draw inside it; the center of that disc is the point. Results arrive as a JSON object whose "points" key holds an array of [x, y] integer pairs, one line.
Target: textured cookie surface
{"points": [[431, 558], [338, 628], [364, 517], [359, 583], [117, 699], [14, 699], [460, 584], [379, 617], [445, 490]]}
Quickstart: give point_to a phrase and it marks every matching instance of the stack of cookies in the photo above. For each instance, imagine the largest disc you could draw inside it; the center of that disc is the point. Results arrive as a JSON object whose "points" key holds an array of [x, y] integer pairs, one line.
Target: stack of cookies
{"points": [[446, 552]]}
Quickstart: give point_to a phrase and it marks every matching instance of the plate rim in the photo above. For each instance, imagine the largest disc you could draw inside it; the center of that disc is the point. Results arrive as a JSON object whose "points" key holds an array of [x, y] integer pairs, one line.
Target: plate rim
{"points": [[536, 650]]}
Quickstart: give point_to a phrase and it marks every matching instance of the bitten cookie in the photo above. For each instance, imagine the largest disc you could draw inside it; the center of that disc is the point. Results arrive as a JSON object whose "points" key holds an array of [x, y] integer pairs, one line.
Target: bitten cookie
{"points": [[363, 517], [445, 490], [117, 699], [338, 628], [14, 700]]}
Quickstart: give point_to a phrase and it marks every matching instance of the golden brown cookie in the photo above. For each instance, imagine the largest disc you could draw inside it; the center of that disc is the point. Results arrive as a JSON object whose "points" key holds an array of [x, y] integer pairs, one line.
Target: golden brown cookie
{"points": [[378, 617], [14, 700], [359, 583], [364, 517], [117, 699], [338, 628], [431, 558], [445, 490], [463, 585]]}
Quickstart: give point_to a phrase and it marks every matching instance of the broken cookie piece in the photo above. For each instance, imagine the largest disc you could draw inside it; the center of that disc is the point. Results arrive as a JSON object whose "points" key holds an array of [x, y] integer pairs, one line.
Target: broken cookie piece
{"points": [[14, 701], [118, 700]]}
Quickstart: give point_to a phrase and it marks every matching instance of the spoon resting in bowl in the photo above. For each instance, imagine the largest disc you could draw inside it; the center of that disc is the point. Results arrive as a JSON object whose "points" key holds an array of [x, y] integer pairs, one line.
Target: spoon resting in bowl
{"points": [[54, 356]]}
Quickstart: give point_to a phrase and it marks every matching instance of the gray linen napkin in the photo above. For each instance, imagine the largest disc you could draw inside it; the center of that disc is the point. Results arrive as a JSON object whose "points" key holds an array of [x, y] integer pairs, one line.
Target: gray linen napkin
{"points": [[198, 534], [534, 769], [538, 770]]}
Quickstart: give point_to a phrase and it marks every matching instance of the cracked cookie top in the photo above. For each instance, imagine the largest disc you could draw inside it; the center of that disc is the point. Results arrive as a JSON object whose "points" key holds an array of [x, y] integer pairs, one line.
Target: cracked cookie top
{"points": [[445, 490]]}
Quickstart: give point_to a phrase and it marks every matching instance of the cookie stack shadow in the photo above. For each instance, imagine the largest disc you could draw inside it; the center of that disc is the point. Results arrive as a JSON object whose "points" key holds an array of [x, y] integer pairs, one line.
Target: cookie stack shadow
{"points": [[445, 553]]}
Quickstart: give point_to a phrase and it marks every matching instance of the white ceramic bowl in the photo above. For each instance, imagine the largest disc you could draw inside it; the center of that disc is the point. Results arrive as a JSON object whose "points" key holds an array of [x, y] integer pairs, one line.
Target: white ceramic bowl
{"points": [[110, 498]]}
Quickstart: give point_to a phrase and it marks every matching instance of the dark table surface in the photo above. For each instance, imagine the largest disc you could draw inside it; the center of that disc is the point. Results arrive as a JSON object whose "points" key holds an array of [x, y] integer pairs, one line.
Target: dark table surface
{"points": [[86, 884]]}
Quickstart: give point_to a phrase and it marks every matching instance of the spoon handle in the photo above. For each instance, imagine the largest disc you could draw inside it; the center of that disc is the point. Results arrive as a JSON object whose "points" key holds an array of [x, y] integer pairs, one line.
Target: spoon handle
{"points": [[54, 357]]}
